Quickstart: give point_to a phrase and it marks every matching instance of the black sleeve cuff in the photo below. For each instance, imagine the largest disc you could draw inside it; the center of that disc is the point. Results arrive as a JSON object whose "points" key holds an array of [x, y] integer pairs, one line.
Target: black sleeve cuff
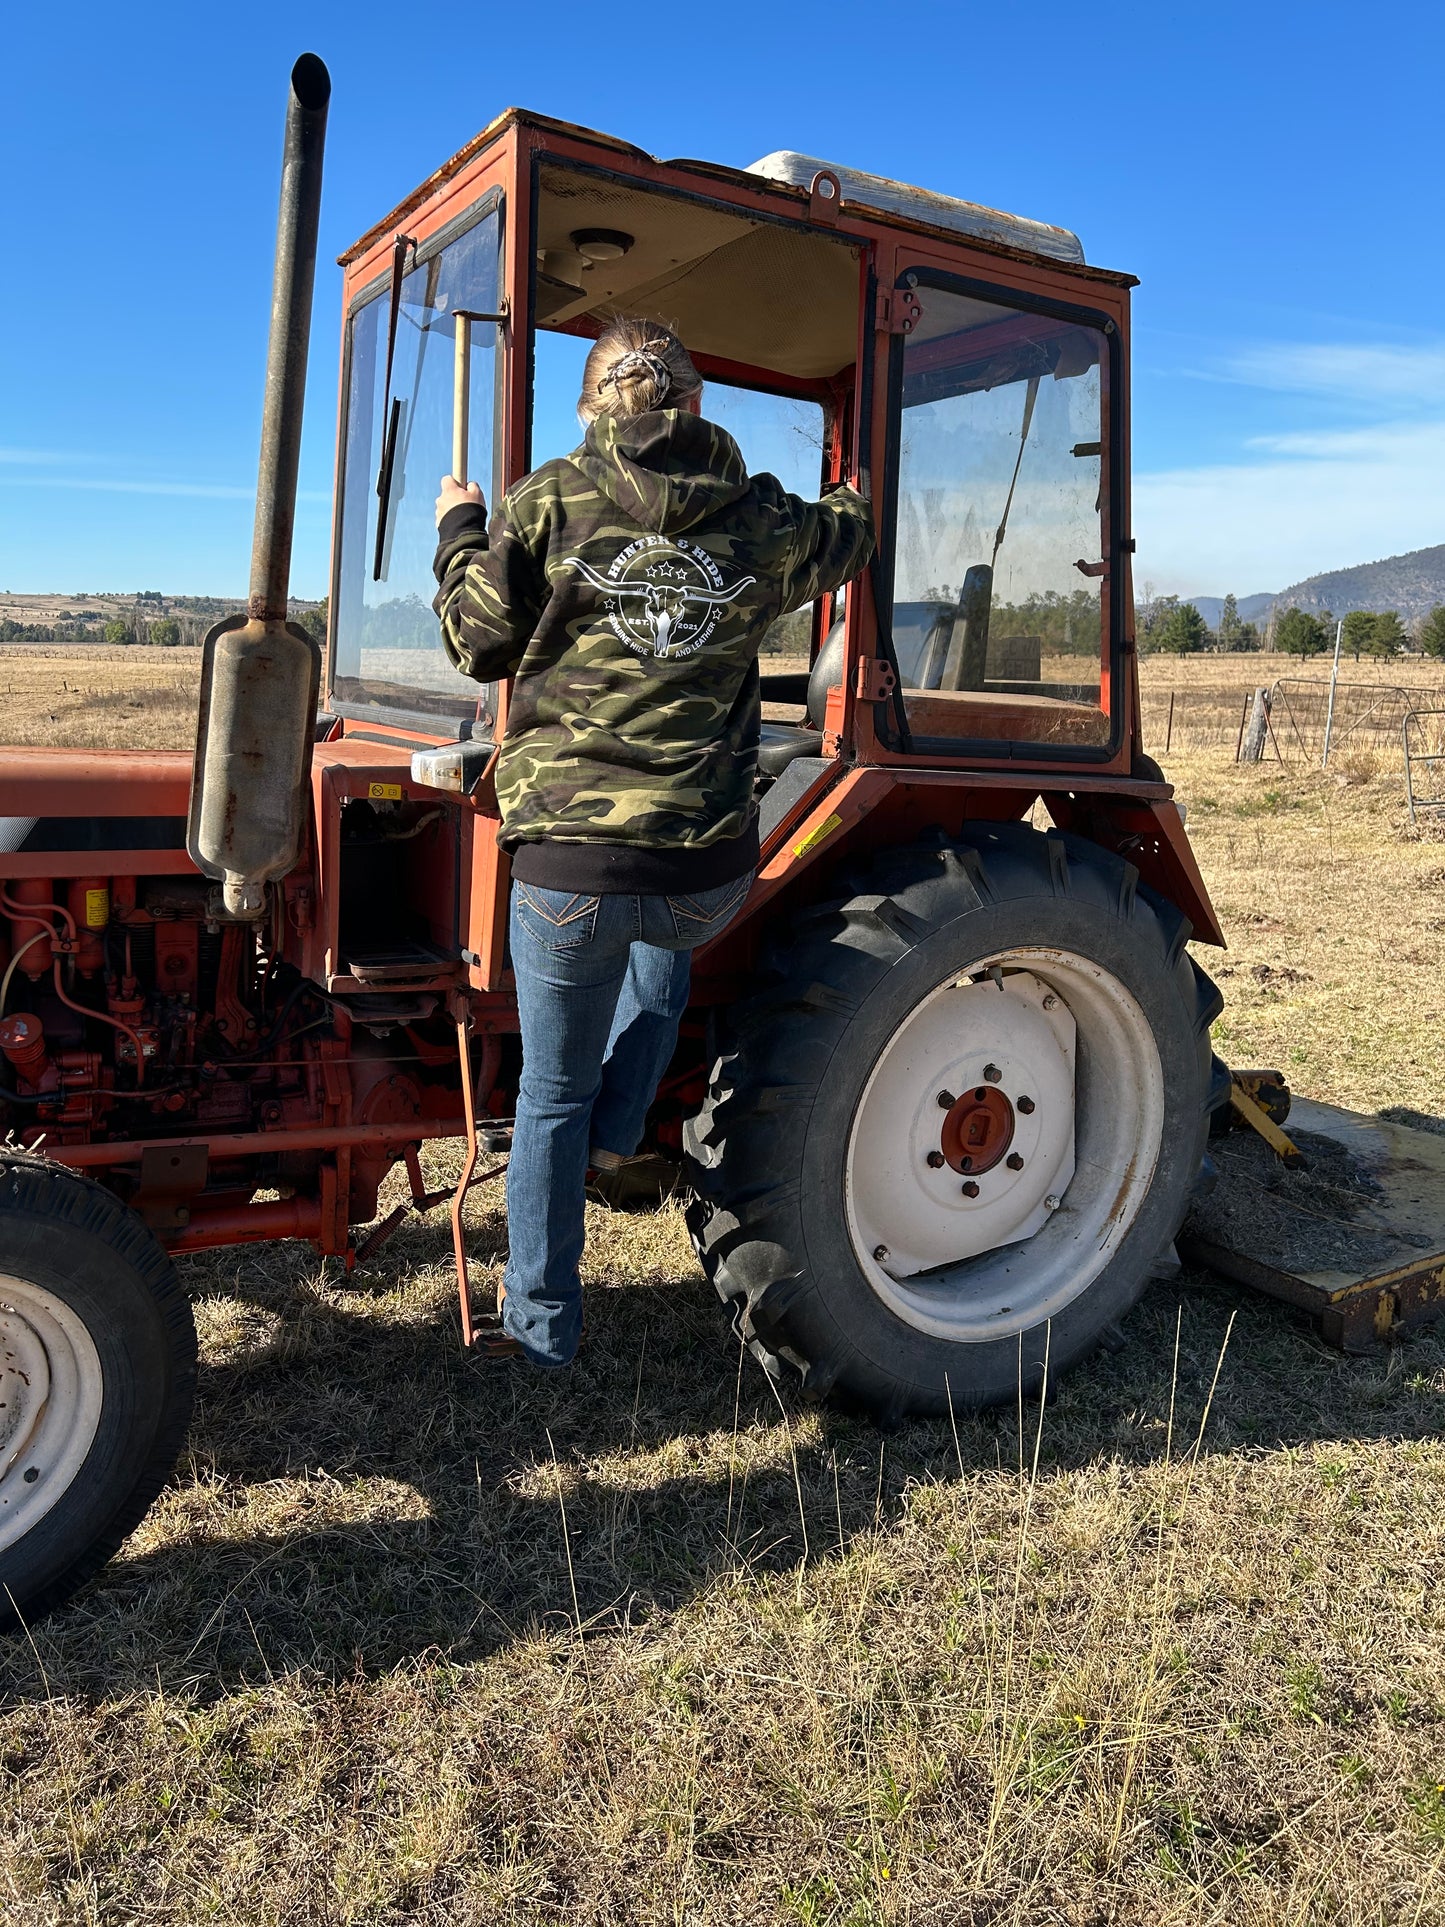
{"points": [[463, 529], [466, 518]]}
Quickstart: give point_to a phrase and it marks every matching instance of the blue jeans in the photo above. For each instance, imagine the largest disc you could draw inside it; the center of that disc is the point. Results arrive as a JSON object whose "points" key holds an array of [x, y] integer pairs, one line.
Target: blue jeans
{"points": [[602, 982]]}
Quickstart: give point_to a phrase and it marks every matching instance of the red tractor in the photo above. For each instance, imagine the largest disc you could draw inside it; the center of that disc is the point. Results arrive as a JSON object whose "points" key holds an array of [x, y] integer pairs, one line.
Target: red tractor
{"points": [[943, 1089]]}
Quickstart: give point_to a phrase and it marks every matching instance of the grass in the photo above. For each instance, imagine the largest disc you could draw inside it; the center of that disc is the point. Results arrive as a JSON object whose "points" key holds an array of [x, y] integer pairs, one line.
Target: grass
{"points": [[99, 698], [413, 1640], [1335, 913]]}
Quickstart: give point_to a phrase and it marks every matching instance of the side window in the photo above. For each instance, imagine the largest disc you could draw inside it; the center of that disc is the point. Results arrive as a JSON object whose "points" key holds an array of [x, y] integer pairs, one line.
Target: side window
{"points": [[1001, 494], [386, 640], [782, 435]]}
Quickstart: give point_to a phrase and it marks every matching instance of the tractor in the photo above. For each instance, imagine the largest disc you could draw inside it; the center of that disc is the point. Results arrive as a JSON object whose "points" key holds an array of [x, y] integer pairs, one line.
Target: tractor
{"points": [[943, 1091]]}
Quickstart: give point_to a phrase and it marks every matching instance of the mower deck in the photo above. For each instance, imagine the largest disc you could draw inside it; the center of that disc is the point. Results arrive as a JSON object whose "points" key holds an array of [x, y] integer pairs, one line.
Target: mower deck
{"points": [[1355, 1236]]}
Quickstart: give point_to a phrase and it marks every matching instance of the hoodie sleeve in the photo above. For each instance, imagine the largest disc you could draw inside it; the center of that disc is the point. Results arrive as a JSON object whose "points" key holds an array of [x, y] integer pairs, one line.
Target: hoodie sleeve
{"points": [[831, 541], [493, 587]]}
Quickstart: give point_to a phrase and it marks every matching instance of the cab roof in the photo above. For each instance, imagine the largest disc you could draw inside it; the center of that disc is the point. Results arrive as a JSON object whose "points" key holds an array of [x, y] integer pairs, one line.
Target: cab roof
{"points": [[892, 201]]}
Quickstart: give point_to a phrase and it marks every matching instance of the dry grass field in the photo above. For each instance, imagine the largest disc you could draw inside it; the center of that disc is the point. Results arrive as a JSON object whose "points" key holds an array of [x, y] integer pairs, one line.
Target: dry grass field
{"points": [[410, 1639], [98, 697], [1209, 692]]}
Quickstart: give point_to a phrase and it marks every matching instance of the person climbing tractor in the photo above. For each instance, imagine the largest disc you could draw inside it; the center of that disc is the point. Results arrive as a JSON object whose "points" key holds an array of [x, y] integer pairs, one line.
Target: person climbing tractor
{"points": [[625, 589]]}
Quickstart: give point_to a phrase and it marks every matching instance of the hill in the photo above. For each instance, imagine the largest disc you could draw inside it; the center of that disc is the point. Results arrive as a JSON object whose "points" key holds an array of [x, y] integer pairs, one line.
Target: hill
{"points": [[46, 618], [1412, 584], [1252, 608]]}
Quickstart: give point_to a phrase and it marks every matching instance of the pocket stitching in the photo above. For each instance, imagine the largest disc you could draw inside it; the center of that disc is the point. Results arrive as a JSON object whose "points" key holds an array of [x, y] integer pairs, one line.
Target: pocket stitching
{"points": [[577, 908], [686, 906]]}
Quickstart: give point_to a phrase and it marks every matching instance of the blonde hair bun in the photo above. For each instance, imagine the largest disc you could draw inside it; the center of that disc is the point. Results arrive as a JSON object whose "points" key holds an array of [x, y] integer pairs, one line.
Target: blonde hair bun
{"points": [[635, 366]]}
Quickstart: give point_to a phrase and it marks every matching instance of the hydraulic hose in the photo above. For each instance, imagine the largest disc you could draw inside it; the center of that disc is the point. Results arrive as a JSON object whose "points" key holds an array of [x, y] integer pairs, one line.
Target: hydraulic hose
{"points": [[7, 1096], [101, 1017], [27, 910], [10, 967]]}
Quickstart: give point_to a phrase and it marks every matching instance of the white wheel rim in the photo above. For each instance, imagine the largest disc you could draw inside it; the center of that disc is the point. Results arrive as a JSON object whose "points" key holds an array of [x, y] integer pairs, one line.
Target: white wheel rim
{"points": [[1061, 1033], [50, 1402]]}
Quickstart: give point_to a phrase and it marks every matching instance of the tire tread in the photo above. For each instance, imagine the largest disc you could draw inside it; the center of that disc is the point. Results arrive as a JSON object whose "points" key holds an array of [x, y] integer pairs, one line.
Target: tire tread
{"points": [[43, 1188], [742, 1215]]}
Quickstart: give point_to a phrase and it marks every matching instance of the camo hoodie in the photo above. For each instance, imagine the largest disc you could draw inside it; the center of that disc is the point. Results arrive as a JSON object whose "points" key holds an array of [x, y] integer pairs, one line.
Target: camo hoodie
{"points": [[625, 588]]}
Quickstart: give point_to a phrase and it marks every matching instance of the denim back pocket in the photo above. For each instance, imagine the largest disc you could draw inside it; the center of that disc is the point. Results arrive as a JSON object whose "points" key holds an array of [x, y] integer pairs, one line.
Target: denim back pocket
{"points": [[707, 913], [559, 919]]}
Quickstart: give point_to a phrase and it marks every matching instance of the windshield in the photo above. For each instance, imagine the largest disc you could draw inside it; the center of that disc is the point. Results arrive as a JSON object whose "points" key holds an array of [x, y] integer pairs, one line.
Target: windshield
{"points": [[387, 648], [1001, 497]]}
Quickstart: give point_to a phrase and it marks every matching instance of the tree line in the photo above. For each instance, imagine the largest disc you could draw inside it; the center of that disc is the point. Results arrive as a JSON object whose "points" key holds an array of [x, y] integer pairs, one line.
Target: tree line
{"points": [[184, 628], [1163, 622], [165, 632], [1166, 624], [1366, 632]]}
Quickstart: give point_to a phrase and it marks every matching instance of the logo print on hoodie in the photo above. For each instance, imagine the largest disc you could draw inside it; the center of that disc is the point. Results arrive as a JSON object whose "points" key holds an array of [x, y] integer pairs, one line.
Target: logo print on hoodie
{"points": [[663, 598]]}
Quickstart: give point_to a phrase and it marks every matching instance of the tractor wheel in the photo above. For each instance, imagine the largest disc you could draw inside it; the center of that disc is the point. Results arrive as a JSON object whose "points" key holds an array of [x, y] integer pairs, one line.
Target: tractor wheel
{"points": [[958, 1124], [97, 1379]]}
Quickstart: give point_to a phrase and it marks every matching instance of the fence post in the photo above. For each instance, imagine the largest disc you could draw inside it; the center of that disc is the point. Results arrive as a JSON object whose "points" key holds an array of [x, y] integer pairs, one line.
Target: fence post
{"points": [[1254, 735], [1169, 726], [1330, 708], [1239, 739]]}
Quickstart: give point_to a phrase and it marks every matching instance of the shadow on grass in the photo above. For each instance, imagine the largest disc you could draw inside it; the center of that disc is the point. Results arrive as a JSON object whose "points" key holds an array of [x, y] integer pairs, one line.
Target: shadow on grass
{"points": [[359, 1493]]}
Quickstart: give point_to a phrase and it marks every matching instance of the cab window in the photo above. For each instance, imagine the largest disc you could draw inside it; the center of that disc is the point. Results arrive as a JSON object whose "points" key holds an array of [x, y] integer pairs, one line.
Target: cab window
{"points": [[1001, 495], [387, 646]]}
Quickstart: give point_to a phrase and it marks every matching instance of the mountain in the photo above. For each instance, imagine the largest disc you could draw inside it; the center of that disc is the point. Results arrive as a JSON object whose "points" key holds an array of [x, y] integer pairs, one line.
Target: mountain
{"points": [[1412, 584], [1252, 608]]}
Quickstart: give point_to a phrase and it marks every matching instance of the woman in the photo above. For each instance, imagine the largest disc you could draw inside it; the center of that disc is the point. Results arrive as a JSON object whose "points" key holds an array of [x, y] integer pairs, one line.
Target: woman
{"points": [[625, 589]]}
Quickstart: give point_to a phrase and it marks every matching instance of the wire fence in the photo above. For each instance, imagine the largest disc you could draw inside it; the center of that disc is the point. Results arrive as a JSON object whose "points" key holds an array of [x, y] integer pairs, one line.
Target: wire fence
{"points": [[1201, 717], [1422, 740], [1366, 723], [1360, 717]]}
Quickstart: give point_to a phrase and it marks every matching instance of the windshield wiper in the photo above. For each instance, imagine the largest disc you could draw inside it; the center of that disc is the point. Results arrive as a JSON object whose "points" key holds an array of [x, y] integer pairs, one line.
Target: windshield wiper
{"points": [[390, 408]]}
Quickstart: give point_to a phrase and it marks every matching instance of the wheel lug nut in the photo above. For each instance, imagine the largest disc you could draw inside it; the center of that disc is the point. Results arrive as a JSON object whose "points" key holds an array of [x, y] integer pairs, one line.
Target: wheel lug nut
{"points": [[1026, 1105], [946, 1100], [1052, 1203], [970, 1189], [935, 1160], [1014, 1161], [991, 1073], [1050, 1001], [880, 1253]]}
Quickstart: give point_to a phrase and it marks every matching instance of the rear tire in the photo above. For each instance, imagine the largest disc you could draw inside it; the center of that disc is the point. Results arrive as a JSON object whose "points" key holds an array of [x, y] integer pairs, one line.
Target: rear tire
{"points": [[831, 1180], [97, 1380]]}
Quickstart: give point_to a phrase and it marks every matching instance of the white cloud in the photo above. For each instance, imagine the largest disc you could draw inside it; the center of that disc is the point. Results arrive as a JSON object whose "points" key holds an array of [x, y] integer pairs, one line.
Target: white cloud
{"points": [[221, 491], [216, 491], [35, 457], [1368, 482], [1312, 502], [1363, 374]]}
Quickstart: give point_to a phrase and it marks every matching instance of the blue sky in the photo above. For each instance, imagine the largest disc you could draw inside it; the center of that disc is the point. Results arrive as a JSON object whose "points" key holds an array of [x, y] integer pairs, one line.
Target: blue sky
{"points": [[1270, 171]]}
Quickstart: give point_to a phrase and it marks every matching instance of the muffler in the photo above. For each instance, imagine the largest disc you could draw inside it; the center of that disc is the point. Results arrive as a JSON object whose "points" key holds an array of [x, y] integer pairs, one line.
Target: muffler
{"points": [[260, 674]]}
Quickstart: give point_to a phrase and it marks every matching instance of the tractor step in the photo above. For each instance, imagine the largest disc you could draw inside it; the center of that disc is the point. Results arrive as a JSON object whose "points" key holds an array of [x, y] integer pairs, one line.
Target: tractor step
{"points": [[1355, 1235]]}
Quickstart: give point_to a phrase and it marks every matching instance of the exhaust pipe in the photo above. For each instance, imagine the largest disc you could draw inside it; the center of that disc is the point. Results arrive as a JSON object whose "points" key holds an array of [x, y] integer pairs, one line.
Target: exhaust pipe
{"points": [[260, 674]]}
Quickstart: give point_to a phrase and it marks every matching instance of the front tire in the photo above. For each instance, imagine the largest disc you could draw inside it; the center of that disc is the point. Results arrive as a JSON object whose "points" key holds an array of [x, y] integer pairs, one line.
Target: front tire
{"points": [[959, 1123], [97, 1380]]}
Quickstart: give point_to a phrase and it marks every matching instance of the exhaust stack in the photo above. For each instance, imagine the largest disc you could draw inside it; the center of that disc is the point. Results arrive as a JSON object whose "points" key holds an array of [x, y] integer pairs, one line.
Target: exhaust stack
{"points": [[260, 674]]}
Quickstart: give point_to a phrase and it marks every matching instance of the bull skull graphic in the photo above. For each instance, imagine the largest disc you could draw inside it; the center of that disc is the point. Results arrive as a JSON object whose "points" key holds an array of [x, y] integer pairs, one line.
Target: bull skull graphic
{"points": [[663, 604]]}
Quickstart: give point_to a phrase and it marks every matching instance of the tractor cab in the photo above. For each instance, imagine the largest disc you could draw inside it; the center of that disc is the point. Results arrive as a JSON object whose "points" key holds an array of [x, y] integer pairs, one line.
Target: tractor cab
{"points": [[965, 367]]}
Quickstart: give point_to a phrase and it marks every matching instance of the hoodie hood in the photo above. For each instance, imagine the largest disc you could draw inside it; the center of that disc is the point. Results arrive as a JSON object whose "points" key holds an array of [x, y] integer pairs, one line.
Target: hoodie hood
{"points": [[668, 470]]}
